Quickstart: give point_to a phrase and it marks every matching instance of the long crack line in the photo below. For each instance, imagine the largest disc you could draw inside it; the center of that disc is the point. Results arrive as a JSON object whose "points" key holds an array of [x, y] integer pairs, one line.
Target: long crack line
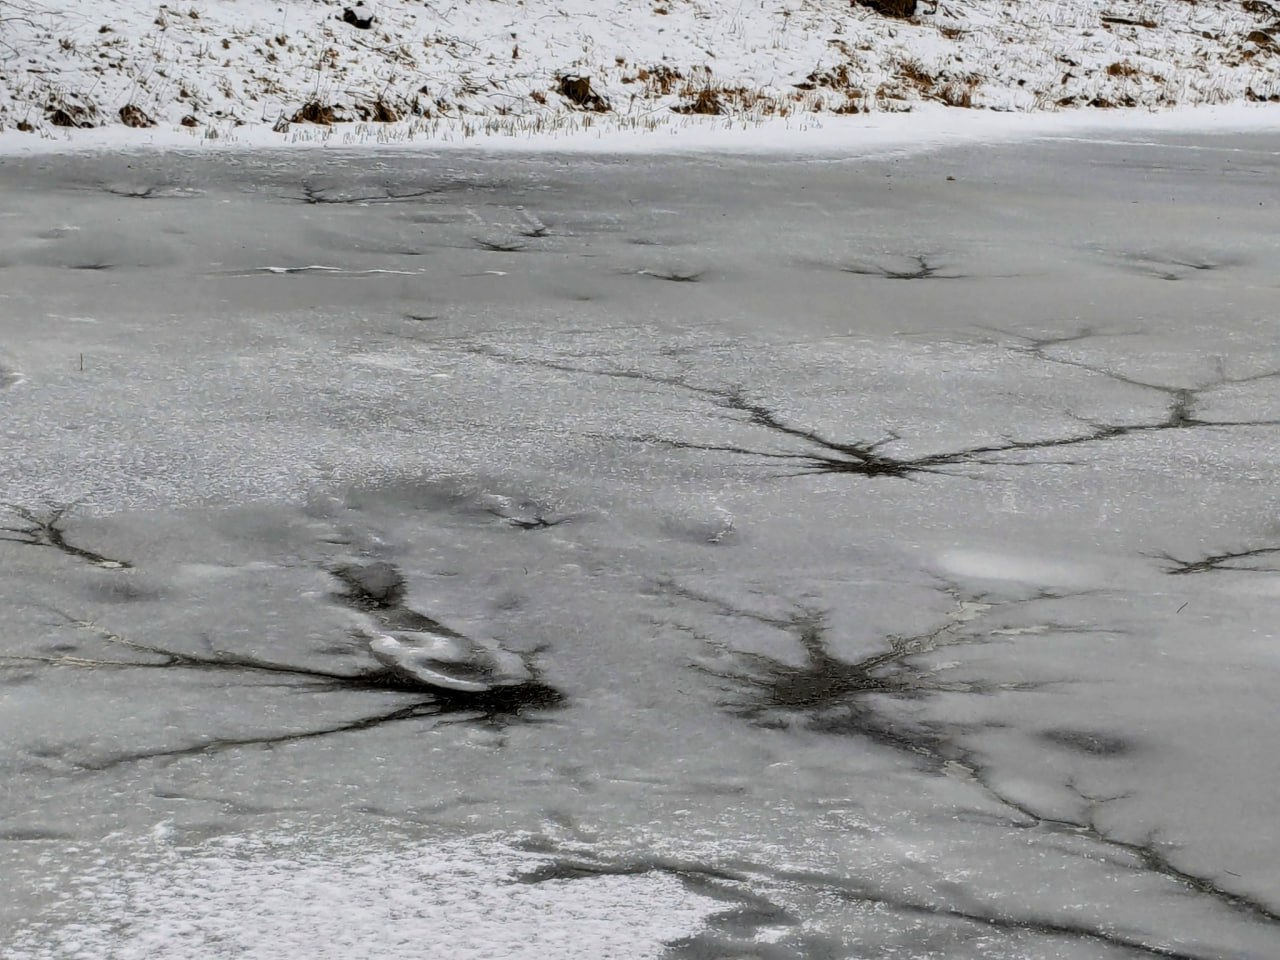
{"points": [[870, 458], [49, 531], [831, 694]]}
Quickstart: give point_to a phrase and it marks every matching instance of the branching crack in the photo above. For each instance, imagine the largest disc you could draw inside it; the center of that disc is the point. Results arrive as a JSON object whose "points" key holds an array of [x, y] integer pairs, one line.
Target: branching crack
{"points": [[48, 530], [733, 882], [1173, 268], [923, 270], [528, 515], [499, 706], [871, 458], [1232, 561], [828, 694], [499, 246], [146, 193], [315, 196], [1145, 855], [673, 276]]}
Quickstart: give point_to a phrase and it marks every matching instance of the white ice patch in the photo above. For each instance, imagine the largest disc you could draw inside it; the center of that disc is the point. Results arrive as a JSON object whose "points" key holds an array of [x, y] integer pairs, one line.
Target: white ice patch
{"points": [[55, 316], [320, 268], [287, 898], [976, 563]]}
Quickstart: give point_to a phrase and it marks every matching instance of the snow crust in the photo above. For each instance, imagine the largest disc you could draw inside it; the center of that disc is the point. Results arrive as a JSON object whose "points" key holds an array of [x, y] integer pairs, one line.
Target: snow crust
{"points": [[465, 68], [286, 896]]}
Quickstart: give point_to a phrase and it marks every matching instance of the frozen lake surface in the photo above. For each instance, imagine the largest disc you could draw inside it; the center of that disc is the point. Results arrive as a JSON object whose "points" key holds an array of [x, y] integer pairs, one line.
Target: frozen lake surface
{"points": [[893, 548]]}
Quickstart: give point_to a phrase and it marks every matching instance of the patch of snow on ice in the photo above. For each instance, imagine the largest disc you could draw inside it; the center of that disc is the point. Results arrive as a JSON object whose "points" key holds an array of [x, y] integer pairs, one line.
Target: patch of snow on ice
{"points": [[1013, 567], [286, 898]]}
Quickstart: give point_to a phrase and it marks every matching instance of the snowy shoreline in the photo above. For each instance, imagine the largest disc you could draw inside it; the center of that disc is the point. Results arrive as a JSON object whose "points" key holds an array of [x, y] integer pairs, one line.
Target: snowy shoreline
{"points": [[502, 73], [927, 128]]}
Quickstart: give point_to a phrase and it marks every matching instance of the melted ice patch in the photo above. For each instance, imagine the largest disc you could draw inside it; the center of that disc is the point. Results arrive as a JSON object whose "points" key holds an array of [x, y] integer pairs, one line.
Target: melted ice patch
{"points": [[281, 898]]}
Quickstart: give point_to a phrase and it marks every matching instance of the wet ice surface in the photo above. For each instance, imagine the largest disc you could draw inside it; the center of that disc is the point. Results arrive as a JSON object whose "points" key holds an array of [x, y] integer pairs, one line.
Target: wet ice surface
{"points": [[894, 559]]}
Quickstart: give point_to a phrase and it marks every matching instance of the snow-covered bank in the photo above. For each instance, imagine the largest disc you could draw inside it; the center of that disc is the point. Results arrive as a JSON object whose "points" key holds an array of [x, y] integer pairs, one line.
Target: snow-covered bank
{"points": [[929, 127], [457, 68]]}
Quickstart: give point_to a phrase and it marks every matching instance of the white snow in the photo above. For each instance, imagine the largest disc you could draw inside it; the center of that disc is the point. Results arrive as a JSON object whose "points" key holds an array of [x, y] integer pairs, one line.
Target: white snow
{"points": [[286, 897], [837, 137], [456, 69]]}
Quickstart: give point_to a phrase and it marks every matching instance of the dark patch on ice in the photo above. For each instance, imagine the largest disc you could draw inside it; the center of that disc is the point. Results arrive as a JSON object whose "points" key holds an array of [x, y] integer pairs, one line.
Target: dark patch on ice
{"points": [[1092, 743], [371, 586], [8, 377], [828, 694], [379, 588], [128, 589], [62, 647], [93, 266]]}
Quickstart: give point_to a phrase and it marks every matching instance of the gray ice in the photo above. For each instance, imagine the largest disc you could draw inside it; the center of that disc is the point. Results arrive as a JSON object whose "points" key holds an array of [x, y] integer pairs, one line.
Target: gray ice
{"points": [[884, 564]]}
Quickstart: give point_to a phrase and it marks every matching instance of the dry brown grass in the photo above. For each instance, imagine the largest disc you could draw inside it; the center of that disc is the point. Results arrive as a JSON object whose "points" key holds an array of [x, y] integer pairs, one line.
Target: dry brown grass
{"points": [[838, 77], [69, 115], [956, 94], [1122, 69], [900, 9], [706, 102], [313, 111], [659, 81], [854, 102], [131, 115], [914, 73], [954, 91], [377, 112], [578, 91]]}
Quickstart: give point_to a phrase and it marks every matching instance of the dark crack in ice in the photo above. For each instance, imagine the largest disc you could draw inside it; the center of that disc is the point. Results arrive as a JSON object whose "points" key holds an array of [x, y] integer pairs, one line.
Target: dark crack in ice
{"points": [[873, 458], [47, 528]]}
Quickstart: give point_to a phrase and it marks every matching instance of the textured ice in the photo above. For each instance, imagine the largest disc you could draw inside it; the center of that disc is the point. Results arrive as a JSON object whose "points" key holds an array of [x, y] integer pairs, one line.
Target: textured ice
{"points": [[288, 896], [898, 553]]}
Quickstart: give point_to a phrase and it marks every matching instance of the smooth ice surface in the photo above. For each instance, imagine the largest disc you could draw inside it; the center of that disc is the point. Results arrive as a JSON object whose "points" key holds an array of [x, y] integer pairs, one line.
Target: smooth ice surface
{"points": [[897, 555]]}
